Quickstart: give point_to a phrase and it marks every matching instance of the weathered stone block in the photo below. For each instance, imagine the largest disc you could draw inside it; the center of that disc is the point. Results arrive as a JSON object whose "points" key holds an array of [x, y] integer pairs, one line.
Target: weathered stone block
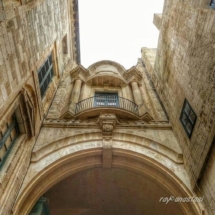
{"points": [[157, 20]]}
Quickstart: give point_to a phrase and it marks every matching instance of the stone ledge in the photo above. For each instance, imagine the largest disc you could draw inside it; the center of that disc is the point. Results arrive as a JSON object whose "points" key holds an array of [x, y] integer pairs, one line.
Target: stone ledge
{"points": [[157, 20]]}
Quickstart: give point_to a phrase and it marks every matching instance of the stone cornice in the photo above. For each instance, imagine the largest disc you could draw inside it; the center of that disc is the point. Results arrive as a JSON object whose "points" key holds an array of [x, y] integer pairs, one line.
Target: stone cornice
{"points": [[120, 123], [119, 67]]}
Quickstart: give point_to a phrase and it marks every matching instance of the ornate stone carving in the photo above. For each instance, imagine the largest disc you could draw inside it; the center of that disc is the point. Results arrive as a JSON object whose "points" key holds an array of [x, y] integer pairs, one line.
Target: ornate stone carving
{"points": [[107, 127], [107, 142], [107, 121]]}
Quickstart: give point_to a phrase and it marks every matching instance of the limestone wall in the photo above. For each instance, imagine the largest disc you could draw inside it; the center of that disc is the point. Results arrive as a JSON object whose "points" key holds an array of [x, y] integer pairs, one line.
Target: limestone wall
{"points": [[29, 32], [184, 68]]}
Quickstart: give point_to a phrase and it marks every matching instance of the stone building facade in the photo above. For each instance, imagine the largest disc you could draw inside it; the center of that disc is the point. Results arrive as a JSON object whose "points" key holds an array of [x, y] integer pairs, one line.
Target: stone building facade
{"points": [[105, 140]]}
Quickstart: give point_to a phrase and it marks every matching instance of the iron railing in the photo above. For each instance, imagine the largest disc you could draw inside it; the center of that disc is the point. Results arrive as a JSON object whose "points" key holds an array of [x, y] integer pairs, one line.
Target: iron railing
{"points": [[95, 102]]}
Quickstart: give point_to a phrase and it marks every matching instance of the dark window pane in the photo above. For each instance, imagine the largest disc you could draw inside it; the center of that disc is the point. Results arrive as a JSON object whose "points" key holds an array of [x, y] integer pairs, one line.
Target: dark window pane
{"points": [[189, 127], [47, 65], [184, 119], [187, 108], [45, 75], [52, 72], [40, 77], [50, 60], [188, 118], [106, 99], [43, 71], [192, 116]]}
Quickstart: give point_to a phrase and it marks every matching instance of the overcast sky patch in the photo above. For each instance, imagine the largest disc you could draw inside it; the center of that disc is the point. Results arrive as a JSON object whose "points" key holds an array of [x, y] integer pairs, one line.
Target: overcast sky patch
{"points": [[117, 30]]}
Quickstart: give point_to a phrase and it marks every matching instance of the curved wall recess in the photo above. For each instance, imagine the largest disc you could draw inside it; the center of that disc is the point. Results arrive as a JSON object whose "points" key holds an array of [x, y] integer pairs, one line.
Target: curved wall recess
{"points": [[54, 167], [106, 65], [110, 80]]}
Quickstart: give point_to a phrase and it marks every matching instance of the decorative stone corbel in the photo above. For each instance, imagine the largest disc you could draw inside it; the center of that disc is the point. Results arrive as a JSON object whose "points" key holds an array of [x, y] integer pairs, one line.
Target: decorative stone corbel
{"points": [[107, 121]]}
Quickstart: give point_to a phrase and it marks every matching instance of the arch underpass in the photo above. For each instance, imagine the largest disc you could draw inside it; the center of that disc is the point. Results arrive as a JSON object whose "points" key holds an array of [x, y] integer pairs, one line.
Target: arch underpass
{"points": [[138, 172]]}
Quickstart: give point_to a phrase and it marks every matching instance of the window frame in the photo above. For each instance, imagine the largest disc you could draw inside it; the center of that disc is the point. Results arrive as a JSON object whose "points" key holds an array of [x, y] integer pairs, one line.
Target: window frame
{"points": [[7, 134], [45, 75], [187, 113], [105, 100], [212, 4], [24, 122]]}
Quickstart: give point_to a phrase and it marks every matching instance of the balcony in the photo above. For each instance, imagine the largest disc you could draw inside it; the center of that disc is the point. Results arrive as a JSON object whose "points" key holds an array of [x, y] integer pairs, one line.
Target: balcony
{"points": [[111, 103]]}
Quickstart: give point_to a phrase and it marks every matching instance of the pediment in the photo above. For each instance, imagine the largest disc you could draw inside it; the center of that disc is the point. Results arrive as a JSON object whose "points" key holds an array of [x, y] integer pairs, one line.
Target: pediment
{"points": [[146, 117], [81, 72], [68, 112], [132, 73]]}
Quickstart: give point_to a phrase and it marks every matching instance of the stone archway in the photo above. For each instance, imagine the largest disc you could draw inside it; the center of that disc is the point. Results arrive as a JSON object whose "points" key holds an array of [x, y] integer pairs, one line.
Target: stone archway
{"points": [[113, 191], [50, 170]]}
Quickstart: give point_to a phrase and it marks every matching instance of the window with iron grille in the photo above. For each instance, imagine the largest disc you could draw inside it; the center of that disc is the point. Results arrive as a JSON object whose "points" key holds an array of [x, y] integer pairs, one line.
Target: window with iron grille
{"points": [[45, 75], [188, 118], [8, 136], [106, 99]]}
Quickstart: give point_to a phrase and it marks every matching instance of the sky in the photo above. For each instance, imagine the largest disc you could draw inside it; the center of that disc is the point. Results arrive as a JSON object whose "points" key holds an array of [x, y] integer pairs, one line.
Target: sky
{"points": [[117, 30]]}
